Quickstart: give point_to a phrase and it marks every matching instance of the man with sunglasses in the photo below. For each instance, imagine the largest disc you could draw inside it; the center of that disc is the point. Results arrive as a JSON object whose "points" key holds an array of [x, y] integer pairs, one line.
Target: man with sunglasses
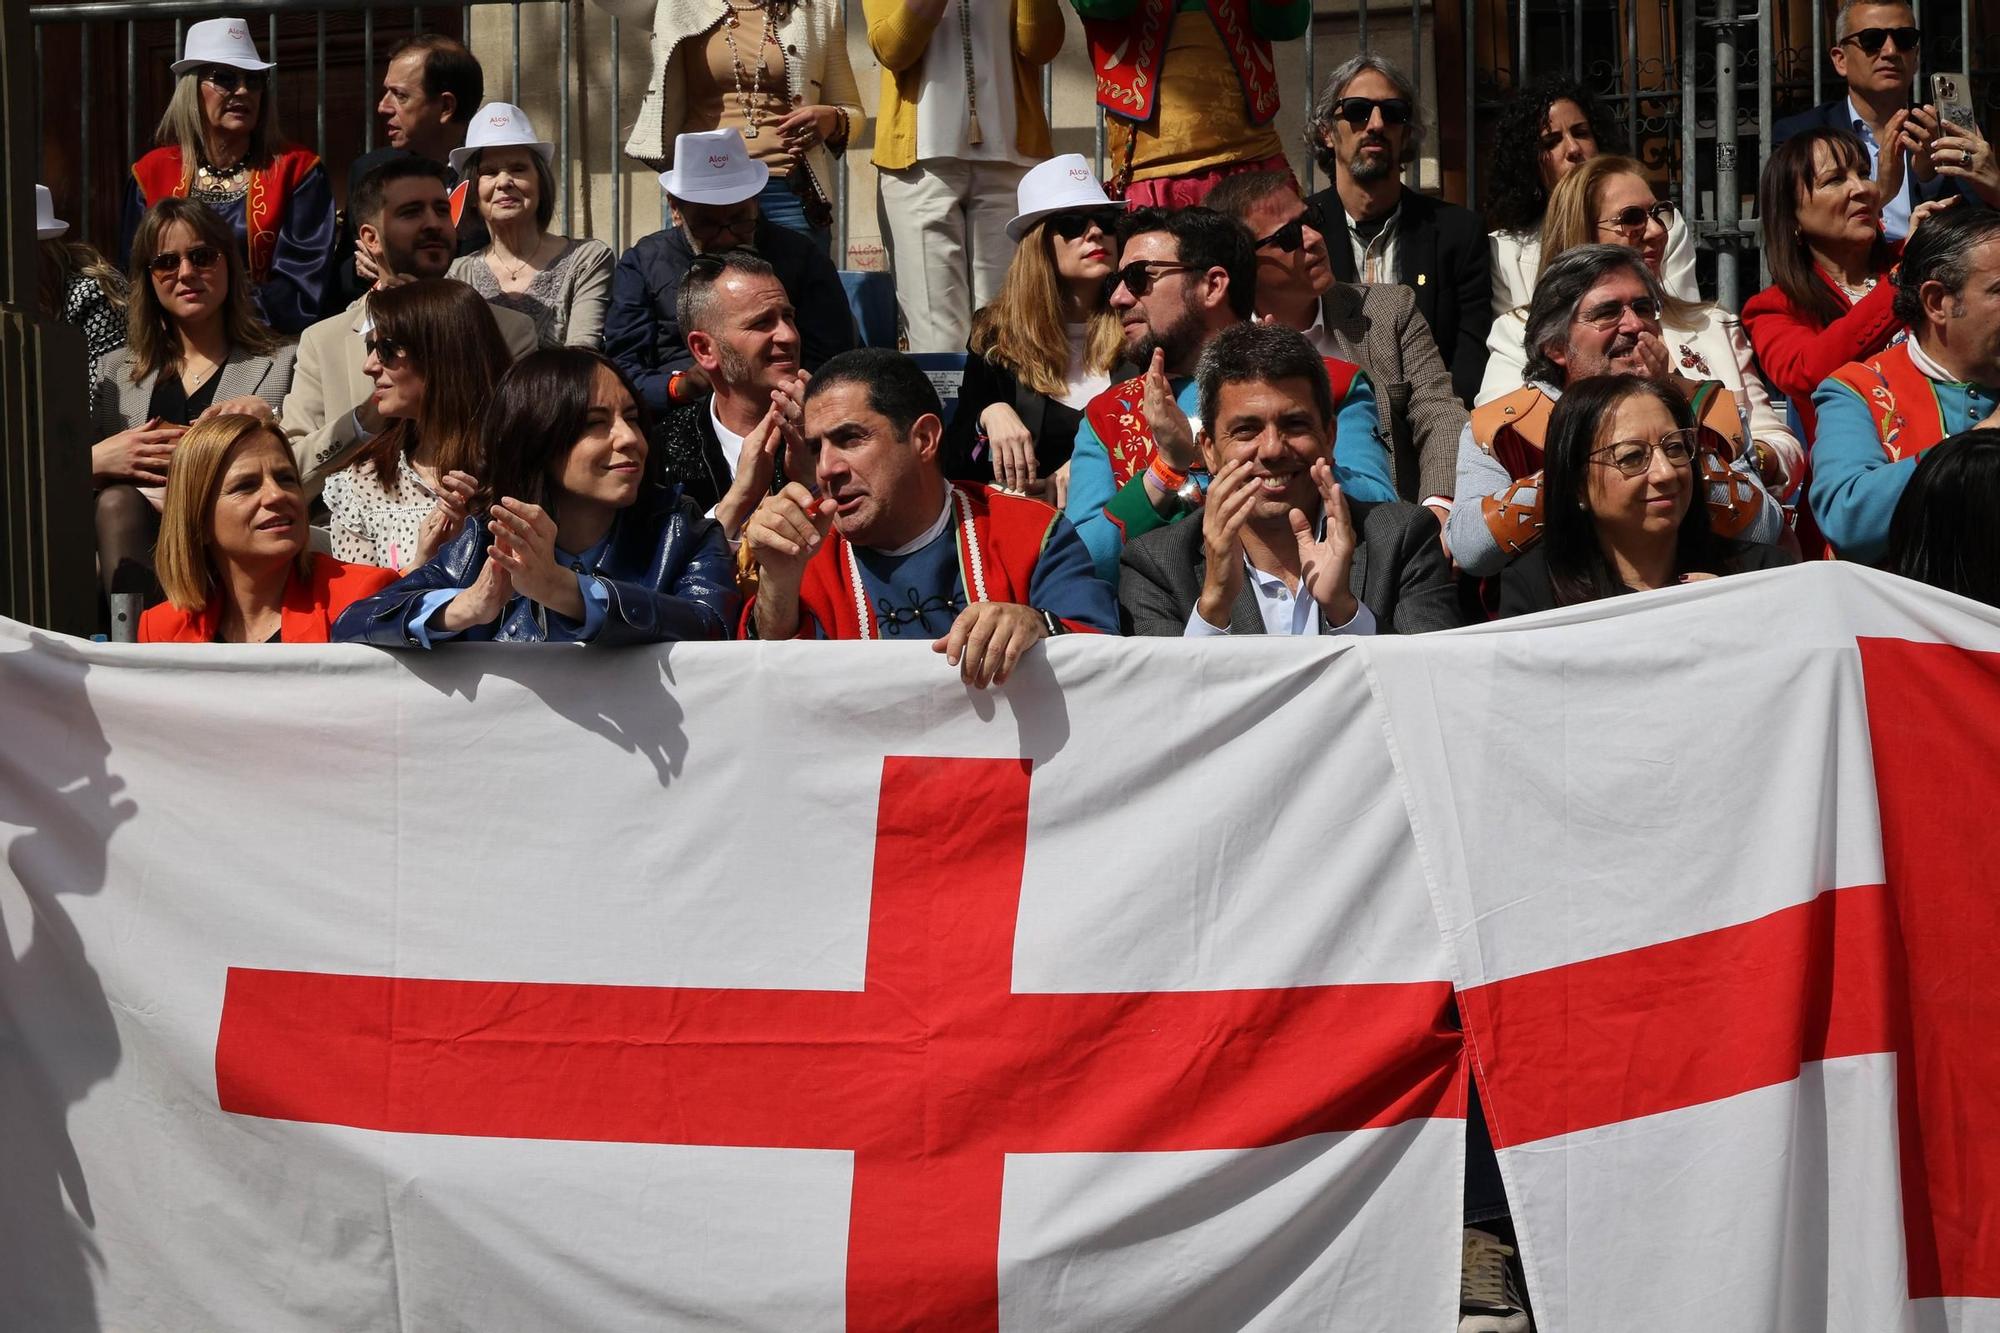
{"points": [[402, 217], [1187, 276], [1367, 126], [1377, 327], [712, 195], [1596, 311], [1875, 50]]}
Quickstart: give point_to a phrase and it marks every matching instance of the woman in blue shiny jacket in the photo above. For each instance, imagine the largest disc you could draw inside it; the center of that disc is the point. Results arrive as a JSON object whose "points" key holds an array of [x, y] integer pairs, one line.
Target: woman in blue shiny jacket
{"points": [[579, 541]]}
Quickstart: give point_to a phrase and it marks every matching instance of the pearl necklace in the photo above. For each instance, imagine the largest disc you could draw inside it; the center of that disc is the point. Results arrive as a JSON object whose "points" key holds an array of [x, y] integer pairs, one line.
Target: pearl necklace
{"points": [[748, 103]]}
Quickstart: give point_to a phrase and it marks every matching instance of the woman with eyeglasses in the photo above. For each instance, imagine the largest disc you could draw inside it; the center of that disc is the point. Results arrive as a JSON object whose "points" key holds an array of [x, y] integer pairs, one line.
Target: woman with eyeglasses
{"points": [[576, 540], [560, 282], [1608, 199], [435, 354], [1042, 350], [194, 347], [1542, 134], [1619, 492], [219, 144], [234, 554], [1829, 301]]}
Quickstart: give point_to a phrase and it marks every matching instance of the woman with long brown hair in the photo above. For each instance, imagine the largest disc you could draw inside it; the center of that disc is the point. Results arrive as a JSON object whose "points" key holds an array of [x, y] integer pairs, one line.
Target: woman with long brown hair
{"points": [[1829, 302], [1609, 200], [194, 346], [435, 354], [1048, 343]]}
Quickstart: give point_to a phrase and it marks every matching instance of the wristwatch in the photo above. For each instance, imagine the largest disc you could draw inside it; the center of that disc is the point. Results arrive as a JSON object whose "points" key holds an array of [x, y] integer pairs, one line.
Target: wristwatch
{"points": [[1050, 623]]}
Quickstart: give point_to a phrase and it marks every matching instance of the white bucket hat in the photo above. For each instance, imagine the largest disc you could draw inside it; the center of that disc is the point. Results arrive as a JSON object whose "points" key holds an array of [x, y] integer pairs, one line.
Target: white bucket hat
{"points": [[500, 125], [714, 167], [1059, 185], [47, 225], [219, 42]]}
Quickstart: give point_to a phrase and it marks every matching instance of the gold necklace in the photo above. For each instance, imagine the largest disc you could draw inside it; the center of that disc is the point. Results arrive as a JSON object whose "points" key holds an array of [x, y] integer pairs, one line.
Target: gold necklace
{"points": [[729, 26]]}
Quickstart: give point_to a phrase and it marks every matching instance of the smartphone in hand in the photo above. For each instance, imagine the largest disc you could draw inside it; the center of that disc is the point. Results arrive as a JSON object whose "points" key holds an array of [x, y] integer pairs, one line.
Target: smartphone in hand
{"points": [[1952, 94]]}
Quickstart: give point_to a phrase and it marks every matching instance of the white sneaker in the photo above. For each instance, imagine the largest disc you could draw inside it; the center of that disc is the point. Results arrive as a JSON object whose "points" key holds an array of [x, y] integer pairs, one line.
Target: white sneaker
{"points": [[1488, 1299]]}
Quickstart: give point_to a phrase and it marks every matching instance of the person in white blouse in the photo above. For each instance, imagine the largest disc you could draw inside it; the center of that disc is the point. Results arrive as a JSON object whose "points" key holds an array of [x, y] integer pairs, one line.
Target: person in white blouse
{"points": [[1608, 199], [1543, 134], [562, 283]]}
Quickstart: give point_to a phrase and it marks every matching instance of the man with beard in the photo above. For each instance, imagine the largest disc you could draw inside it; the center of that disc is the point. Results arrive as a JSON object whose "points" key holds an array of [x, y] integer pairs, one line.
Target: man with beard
{"points": [[1278, 549], [882, 546], [1367, 125], [1377, 327], [712, 192], [1596, 312], [1187, 276], [402, 218], [723, 447]]}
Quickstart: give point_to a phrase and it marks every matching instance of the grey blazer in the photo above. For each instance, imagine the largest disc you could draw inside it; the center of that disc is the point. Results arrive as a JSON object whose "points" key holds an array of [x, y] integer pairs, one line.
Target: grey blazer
{"points": [[1399, 571], [116, 403], [1378, 327]]}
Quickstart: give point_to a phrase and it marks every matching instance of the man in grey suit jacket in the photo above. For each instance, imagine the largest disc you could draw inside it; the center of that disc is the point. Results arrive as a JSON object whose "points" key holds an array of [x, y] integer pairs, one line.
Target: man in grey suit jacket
{"points": [[402, 216], [1377, 326], [1277, 549]]}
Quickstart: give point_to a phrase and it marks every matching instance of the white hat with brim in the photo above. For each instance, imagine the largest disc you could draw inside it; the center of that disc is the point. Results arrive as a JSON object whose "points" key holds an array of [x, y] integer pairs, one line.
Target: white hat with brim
{"points": [[500, 125], [47, 225], [714, 167], [220, 42], [1063, 184]]}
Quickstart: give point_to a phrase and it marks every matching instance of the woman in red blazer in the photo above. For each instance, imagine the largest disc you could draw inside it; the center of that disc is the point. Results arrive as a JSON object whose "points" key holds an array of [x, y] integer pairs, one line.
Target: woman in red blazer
{"points": [[1830, 297], [233, 553]]}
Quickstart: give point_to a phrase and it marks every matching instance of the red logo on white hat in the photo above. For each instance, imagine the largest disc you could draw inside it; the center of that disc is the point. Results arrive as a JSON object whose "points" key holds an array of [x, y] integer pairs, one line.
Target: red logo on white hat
{"points": [[718, 160], [239, 32], [498, 122], [1079, 174]]}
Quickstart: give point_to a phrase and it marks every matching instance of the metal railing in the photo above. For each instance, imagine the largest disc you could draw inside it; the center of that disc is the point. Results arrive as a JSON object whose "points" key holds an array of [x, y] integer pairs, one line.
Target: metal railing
{"points": [[1686, 108]]}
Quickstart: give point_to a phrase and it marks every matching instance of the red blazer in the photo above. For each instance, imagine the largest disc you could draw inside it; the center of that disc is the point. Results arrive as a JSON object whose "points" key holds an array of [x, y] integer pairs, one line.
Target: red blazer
{"points": [[312, 604], [1796, 352]]}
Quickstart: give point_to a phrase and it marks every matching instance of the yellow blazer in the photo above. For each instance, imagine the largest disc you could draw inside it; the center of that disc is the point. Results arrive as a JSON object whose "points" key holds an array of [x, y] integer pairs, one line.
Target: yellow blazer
{"points": [[898, 41]]}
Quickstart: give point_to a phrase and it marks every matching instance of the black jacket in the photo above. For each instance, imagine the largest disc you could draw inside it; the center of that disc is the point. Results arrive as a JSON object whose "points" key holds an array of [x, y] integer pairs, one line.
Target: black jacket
{"points": [[642, 328], [691, 454], [1525, 587], [1441, 255], [666, 569], [1053, 424], [1836, 115]]}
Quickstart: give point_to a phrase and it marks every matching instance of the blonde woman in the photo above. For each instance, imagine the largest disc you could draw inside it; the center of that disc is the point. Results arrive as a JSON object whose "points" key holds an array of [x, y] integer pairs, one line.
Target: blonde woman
{"points": [[219, 144], [194, 347], [1609, 199], [234, 556], [1041, 351]]}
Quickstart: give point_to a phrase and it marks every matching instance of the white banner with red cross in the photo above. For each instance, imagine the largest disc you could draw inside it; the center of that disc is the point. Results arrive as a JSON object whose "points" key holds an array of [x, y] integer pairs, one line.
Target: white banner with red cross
{"points": [[795, 986]]}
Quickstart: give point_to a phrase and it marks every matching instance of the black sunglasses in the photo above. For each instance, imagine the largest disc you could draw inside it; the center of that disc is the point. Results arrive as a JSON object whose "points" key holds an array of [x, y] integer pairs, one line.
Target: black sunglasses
{"points": [[231, 80], [386, 350], [1870, 39], [1137, 277], [1356, 111], [1293, 234], [168, 262], [1069, 226]]}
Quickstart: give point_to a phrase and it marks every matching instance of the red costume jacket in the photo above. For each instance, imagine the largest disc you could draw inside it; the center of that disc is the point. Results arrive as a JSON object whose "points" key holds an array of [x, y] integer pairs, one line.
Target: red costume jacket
{"points": [[1797, 352], [1127, 54], [161, 174], [312, 604]]}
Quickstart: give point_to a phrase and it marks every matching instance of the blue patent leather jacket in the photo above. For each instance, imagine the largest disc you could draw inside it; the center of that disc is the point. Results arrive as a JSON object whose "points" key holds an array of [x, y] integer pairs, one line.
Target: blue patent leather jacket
{"points": [[665, 570]]}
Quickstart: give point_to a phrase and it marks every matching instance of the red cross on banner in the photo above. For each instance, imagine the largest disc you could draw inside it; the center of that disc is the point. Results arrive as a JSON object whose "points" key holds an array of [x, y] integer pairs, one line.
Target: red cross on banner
{"points": [[1906, 966], [930, 1075]]}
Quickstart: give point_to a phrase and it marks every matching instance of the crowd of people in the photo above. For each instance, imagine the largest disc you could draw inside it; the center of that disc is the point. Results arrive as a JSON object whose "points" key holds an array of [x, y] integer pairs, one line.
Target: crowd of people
{"points": [[1196, 401]]}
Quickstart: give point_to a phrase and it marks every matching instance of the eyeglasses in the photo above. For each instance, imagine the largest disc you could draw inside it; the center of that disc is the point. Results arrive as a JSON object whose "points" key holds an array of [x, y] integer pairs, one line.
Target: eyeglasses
{"points": [[386, 350], [227, 79], [1870, 40], [1357, 111], [1611, 314], [1137, 277], [1069, 226], [1292, 235], [1635, 218], [700, 222], [168, 262], [1633, 457]]}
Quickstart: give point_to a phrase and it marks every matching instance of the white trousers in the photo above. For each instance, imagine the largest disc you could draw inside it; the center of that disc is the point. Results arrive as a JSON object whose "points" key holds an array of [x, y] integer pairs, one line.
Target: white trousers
{"points": [[945, 223]]}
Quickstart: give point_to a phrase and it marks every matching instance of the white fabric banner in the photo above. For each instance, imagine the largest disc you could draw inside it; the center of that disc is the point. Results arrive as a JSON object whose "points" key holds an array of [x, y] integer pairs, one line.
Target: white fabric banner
{"points": [[726, 986]]}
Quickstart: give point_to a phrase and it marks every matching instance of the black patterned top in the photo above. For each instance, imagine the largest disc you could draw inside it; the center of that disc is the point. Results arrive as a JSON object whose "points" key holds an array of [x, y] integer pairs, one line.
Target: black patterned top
{"points": [[86, 306]]}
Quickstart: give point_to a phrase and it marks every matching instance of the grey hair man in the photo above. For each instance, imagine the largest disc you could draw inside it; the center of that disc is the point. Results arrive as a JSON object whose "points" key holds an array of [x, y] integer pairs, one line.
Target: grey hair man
{"points": [[1278, 549], [1596, 311], [1366, 128]]}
